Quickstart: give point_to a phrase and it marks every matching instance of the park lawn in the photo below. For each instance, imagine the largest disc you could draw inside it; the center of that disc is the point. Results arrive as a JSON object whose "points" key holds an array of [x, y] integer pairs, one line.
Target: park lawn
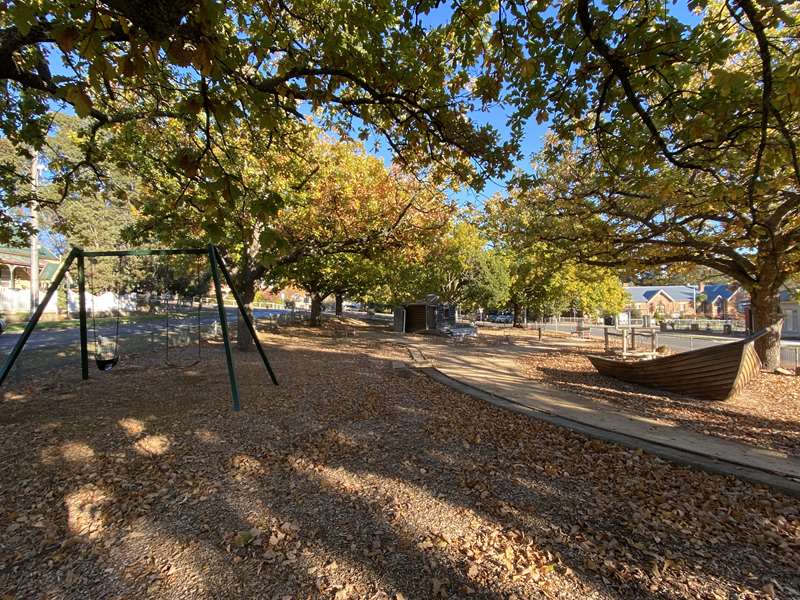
{"points": [[766, 413], [353, 479]]}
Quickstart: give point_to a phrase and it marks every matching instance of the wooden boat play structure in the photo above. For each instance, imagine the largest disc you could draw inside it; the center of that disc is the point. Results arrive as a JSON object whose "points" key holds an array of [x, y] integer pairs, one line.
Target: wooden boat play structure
{"points": [[713, 373]]}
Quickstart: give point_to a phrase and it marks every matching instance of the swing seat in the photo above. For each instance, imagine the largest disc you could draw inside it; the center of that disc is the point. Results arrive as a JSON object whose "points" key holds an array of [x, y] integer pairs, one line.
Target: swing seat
{"points": [[106, 354], [106, 364]]}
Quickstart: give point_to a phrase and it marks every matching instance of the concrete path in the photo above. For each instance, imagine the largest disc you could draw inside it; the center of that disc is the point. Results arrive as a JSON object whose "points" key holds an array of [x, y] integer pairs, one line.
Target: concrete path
{"points": [[494, 373]]}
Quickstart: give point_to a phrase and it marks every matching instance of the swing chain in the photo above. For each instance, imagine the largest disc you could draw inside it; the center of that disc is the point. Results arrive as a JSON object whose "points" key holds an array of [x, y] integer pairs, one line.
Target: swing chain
{"points": [[105, 359], [198, 326]]}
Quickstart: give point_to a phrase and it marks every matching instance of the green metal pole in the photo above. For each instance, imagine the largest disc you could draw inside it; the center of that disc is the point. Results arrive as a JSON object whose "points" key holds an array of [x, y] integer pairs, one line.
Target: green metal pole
{"points": [[223, 321], [17, 349], [146, 252], [82, 314], [244, 314]]}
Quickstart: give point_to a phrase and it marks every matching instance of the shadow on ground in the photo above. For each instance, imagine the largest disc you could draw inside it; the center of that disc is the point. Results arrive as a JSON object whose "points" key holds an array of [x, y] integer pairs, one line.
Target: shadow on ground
{"points": [[350, 480], [741, 419]]}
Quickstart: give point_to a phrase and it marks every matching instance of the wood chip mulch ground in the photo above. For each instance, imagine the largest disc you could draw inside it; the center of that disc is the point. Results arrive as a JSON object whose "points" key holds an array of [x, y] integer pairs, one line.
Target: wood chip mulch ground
{"points": [[766, 413], [353, 479]]}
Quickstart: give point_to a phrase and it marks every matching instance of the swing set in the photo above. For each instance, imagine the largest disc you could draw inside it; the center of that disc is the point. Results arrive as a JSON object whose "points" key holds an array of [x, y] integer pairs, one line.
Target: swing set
{"points": [[107, 353]]}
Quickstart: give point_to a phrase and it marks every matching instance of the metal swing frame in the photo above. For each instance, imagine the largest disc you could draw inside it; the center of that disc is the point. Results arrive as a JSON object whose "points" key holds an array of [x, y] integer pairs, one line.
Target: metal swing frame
{"points": [[78, 255]]}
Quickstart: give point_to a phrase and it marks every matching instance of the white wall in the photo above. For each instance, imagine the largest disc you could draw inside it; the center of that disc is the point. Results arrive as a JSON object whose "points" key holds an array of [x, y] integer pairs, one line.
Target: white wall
{"points": [[791, 318], [19, 301], [103, 303]]}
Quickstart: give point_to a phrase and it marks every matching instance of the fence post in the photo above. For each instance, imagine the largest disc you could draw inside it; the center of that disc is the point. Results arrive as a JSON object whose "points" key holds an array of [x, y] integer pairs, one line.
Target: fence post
{"points": [[624, 342], [691, 342], [633, 338], [605, 337]]}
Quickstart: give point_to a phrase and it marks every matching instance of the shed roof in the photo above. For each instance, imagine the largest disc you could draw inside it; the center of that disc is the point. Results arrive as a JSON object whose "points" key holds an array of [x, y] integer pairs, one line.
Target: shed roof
{"points": [[429, 300]]}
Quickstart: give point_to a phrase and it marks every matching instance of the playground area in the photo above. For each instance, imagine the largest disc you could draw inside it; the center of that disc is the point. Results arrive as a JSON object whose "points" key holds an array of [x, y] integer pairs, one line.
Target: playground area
{"points": [[399, 300], [352, 479], [766, 413]]}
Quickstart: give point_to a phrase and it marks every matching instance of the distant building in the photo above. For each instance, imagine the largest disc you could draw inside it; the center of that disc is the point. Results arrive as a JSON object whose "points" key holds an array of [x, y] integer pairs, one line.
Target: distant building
{"points": [[15, 278], [791, 310], [15, 267], [710, 300], [723, 301], [427, 314], [662, 301]]}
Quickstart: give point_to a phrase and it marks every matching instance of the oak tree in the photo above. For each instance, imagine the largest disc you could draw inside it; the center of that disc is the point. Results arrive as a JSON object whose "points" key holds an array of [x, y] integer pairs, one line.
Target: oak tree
{"points": [[215, 66], [674, 138], [354, 220]]}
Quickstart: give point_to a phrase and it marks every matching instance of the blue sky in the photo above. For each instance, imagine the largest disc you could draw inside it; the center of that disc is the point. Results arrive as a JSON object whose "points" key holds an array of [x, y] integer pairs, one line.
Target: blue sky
{"points": [[498, 115]]}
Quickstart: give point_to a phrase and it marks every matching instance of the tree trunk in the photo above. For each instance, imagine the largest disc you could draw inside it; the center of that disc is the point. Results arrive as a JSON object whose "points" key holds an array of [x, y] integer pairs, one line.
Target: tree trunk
{"points": [[765, 312], [339, 303], [247, 292], [316, 310], [517, 314]]}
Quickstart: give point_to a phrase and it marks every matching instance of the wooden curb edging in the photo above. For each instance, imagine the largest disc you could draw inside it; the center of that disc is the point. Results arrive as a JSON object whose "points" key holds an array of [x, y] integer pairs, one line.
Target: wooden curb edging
{"points": [[674, 454]]}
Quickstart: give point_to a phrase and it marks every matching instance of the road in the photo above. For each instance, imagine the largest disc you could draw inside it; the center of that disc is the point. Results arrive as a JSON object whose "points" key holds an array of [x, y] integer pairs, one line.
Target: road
{"points": [[59, 338], [55, 338]]}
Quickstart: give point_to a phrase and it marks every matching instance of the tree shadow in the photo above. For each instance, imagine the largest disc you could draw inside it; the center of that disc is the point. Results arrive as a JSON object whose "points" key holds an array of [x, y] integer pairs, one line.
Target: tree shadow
{"points": [[729, 419], [346, 474]]}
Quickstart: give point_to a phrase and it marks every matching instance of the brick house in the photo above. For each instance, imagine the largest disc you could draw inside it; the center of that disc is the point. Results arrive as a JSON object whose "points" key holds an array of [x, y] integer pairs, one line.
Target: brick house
{"points": [[723, 300], [662, 301]]}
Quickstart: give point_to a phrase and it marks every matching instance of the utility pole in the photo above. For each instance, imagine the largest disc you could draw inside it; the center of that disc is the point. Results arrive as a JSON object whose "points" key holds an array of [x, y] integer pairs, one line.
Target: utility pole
{"points": [[34, 278]]}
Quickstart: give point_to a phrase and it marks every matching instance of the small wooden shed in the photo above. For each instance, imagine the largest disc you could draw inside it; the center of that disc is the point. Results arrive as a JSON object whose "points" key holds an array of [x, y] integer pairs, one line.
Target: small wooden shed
{"points": [[427, 314]]}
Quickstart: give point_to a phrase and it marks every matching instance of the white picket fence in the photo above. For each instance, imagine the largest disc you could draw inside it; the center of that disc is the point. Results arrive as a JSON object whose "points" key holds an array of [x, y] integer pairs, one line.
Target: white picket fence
{"points": [[19, 301], [107, 302]]}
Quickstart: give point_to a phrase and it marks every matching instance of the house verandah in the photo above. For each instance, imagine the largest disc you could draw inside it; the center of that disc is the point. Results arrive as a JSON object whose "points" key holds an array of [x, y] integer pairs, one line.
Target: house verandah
{"points": [[15, 267], [15, 278]]}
